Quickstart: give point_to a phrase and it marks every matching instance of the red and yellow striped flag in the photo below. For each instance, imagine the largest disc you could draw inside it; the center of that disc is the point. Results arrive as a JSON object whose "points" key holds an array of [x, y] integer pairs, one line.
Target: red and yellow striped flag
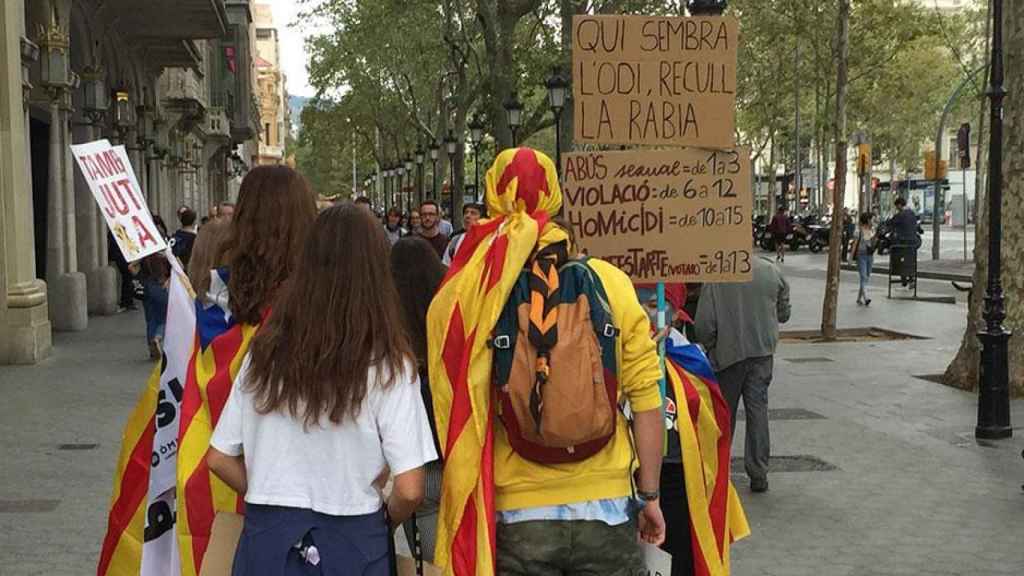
{"points": [[220, 346], [522, 191], [716, 515], [121, 553]]}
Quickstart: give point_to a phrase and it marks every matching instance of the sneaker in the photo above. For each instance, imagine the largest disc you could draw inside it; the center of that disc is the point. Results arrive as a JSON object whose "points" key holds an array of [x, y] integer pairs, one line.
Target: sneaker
{"points": [[867, 302], [758, 485]]}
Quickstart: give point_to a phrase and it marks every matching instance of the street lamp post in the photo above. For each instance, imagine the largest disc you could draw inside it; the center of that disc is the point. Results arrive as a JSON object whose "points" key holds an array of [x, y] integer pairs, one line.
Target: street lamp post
{"points": [[557, 87], [387, 187], [419, 173], [408, 184], [452, 145], [994, 377], [435, 149], [476, 135], [514, 115], [401, 184]]}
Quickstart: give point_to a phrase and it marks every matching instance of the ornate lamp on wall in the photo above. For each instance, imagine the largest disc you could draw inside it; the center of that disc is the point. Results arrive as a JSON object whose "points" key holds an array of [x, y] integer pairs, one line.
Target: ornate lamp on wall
{"points": [[55, 61], [123, 114], [95, 100]]}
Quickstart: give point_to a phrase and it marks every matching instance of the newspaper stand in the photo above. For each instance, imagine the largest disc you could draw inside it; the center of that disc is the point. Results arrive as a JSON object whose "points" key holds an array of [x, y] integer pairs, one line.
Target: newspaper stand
{"points": [[903, 266]]}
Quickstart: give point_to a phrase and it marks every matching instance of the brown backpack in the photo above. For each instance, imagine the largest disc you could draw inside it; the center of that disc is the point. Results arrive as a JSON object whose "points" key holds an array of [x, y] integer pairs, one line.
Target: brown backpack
{"points": [[573, 414]]}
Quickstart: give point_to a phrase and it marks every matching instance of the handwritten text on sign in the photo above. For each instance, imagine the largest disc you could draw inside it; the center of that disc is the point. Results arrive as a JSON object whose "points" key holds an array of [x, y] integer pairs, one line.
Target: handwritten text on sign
{"points": [[654, 80], [108, 171], [664, 215]]}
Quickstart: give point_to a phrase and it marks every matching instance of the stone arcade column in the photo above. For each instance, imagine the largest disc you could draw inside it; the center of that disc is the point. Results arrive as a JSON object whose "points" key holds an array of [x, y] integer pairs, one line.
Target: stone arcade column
{"points": [[24, 328], [69, 309]]}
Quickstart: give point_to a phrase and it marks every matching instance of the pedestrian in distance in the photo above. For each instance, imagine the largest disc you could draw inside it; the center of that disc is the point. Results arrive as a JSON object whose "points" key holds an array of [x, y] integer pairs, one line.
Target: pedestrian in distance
{"points": [[226, 211], [393, 229], [184, 238], [430, 227], [414, 222], [471, 214], [738, 324], [907, 231], [207, 257], [864, 251], [325, 407], [527, 385], [418, 273], [780, 228]]}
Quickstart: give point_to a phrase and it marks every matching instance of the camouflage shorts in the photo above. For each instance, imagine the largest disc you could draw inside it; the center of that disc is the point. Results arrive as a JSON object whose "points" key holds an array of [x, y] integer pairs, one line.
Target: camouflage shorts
{"points": [[568, 548]]}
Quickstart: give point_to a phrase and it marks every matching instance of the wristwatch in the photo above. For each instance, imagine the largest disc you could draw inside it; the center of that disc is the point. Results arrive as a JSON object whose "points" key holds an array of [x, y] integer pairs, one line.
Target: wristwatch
{"points": [[648, 496]]}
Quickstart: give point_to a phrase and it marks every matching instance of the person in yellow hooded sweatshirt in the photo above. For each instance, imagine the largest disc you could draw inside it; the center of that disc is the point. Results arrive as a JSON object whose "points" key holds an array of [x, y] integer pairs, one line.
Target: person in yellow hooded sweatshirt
{"points": [[500, 512]]}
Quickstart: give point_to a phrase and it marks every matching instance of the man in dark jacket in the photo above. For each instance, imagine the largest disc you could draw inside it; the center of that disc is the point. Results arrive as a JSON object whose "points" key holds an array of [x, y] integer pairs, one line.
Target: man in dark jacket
{"points": [[185, 237]]}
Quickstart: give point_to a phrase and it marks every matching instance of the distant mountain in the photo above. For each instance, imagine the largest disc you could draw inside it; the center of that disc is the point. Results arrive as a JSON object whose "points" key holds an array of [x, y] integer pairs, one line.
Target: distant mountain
{"points": [[296, 104]]}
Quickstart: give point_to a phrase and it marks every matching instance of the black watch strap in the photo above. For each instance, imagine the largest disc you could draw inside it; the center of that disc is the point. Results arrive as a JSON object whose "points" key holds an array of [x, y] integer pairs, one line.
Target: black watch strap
{"points": [[648, 496]]}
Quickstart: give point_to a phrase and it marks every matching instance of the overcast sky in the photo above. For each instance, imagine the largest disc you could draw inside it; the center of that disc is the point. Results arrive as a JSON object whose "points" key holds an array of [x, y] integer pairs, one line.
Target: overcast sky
{"points": [[293, 54]]}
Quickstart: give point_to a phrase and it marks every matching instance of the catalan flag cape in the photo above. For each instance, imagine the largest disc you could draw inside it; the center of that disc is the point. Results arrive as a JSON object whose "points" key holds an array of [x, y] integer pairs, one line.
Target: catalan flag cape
{"points": [[522, 194], [219, 346], [716, 515], [140, 536]]}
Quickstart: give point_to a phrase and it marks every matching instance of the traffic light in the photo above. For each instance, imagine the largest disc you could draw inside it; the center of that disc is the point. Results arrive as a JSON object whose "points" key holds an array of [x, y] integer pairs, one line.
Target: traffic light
{"points": [[863, 158], [934, 170], [963, 145]]}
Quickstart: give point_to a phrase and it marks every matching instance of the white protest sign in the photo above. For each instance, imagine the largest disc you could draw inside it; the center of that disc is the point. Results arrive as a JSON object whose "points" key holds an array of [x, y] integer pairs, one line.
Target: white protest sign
{"points": [[112, 181], [657, 561], [160, 548]]}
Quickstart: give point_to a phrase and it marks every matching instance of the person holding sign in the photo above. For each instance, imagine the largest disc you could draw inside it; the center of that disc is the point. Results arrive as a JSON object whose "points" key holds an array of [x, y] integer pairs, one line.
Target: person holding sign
{"points": [[531, 350]]}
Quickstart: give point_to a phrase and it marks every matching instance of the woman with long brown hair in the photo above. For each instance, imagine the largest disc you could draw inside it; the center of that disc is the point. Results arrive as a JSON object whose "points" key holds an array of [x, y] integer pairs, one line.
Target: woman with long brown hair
{"points": [[274, 213], [326, 403], [207, 255]]}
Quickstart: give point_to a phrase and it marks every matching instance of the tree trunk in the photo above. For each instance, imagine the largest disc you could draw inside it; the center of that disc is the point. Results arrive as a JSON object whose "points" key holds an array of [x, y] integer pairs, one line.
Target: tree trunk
{"points": [[831, 303], [962, 372], [771, 178]]}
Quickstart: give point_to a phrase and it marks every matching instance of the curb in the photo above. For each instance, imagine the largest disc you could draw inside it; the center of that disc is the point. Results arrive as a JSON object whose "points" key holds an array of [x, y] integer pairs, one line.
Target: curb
{"points": [[923, 274]]}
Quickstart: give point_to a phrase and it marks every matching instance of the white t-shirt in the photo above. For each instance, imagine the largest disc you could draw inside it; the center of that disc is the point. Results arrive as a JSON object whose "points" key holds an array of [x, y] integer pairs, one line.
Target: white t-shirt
{"points": [[327, 468]]}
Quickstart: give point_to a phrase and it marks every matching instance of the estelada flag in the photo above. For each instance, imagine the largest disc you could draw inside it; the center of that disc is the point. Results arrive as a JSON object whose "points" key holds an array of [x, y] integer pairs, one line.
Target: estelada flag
{"points": [[522, 193], [704, 426], [220, 346]]}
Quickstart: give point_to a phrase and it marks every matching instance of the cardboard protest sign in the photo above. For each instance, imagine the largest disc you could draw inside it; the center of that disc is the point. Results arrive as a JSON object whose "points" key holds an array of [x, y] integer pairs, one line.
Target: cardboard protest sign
{"points": [[654, 80], [108, 171], [664, 215]]}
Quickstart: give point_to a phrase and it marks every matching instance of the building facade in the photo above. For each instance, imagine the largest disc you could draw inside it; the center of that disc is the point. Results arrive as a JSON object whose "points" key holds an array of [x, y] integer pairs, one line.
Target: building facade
{"points": [[273, 97], [172, 80]]}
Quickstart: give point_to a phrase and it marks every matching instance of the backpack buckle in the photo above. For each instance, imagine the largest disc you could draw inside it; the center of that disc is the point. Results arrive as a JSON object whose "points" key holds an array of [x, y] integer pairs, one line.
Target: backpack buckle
{"points": [[503, 342], [610, 331]]}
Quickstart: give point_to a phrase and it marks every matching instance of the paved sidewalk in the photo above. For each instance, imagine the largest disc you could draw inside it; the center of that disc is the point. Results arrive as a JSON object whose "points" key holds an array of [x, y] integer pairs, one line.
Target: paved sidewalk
{"points": [[910, 492]]}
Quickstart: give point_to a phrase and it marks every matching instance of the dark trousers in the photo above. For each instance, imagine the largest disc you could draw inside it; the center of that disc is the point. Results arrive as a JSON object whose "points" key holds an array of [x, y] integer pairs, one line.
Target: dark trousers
{"points": [[749, 380], [127, 289], [676, 511], [345, 544]]}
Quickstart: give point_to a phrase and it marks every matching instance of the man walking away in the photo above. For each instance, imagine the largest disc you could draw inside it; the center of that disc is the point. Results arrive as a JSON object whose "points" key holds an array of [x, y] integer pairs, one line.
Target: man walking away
{"points": [[430, 218], [780, 228], [739, 326], [185, 237], [471, 214]]}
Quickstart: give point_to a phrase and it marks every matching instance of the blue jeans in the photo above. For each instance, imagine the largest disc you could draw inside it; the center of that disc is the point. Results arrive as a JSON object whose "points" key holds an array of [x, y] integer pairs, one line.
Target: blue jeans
{"points": [[154, 306], [864, 264]]}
